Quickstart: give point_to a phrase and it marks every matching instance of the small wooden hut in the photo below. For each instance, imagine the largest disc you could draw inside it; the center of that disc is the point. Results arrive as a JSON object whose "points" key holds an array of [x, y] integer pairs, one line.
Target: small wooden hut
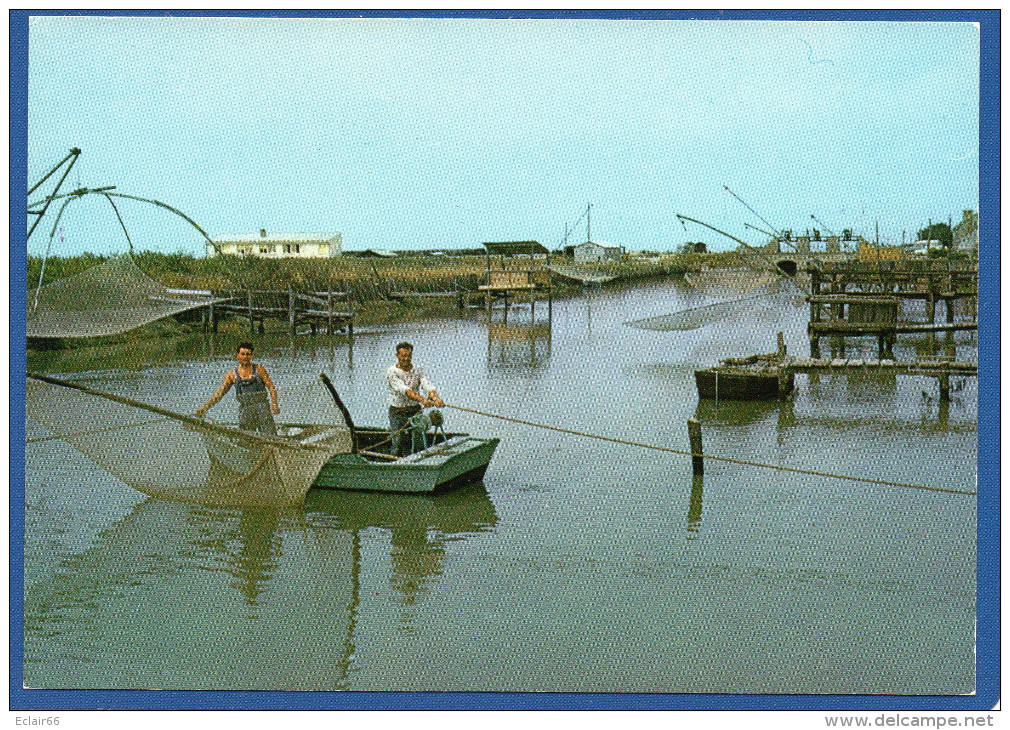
{"points": [[516, 267]]}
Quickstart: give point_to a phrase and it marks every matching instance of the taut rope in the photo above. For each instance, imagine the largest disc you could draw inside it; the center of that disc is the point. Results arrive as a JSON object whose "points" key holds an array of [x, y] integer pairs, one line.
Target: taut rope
{"points": [[710, 456]]}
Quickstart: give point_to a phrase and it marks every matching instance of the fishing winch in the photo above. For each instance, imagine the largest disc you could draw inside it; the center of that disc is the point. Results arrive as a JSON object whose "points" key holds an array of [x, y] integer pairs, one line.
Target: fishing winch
{"points": [[418, 427]]}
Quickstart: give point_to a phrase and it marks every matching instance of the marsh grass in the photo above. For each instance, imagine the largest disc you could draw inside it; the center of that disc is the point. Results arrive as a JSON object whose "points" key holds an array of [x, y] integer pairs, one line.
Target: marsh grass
{"points": [[370, 284]]}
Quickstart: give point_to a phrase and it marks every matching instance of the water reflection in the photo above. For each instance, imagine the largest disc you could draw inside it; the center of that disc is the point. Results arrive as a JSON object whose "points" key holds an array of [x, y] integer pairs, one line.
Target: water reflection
{"points": [[518, 345], [694, 508], [373, 592], [187, 596], [820, 411], [734, 412], [419, 527], [248, 542]]}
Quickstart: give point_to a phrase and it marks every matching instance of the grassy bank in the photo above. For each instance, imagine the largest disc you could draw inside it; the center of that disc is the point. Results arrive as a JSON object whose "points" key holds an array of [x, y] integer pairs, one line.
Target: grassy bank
{"points": [[364, 278], [369, 282]]}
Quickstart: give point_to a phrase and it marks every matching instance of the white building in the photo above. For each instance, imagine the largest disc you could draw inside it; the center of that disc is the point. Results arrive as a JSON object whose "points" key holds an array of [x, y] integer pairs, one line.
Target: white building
{"points": [[278, 245], [596, 251]]}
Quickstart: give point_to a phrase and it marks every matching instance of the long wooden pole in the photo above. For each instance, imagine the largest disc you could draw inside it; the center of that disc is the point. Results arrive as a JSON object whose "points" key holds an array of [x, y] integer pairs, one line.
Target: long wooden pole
{"points": [[343, 410], [257, 439]]}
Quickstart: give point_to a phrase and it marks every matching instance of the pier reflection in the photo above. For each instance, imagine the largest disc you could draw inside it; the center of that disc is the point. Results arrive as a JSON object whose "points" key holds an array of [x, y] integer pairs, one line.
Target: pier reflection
{"points": [[518, 345], [858, 411]]}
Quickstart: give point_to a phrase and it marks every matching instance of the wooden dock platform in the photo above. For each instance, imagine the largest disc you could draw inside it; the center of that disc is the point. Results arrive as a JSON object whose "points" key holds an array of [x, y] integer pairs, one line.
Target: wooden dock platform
{"points": [[522, 267], [770, 376], [331, 310], [859, 299], [932, 368], [842, 327]]}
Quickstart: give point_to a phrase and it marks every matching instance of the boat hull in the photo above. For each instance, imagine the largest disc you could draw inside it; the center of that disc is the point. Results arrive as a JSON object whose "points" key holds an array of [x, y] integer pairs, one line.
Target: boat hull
{"points": [[439, 468], [736, 384]]}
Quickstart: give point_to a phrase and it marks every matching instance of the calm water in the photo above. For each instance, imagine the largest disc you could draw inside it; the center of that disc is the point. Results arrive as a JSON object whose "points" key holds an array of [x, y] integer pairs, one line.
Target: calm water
{"points": [[579, 565]]}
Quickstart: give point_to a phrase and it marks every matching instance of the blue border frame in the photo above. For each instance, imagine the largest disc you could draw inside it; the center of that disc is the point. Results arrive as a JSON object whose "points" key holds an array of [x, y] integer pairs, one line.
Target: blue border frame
{"points": [[988, 598]]}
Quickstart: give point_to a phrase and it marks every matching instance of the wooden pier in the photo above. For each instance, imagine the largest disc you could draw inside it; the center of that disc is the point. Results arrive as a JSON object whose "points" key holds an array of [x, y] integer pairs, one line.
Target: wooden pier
{"points": [[859, 298], [939, 369], [765, 377], [329, 310], [918, 367]]}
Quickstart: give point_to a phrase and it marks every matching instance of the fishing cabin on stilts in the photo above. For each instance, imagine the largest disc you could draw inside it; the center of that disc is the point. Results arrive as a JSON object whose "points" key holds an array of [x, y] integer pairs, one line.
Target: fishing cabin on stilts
{"points": [[514, 267]]}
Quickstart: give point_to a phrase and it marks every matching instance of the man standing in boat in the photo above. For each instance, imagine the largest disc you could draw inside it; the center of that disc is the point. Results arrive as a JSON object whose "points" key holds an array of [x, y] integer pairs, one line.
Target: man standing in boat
{"points": [[406, 381], [252, 383]]}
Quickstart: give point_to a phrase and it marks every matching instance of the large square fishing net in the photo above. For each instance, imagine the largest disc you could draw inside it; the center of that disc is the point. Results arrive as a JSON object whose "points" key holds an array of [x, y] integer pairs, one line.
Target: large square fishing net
{"points": [[112, 297], [174, 456]]}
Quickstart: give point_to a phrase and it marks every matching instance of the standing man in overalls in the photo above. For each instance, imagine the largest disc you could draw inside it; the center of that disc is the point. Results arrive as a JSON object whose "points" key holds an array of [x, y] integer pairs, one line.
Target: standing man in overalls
{"points": [[252, 383], [406, 381]]}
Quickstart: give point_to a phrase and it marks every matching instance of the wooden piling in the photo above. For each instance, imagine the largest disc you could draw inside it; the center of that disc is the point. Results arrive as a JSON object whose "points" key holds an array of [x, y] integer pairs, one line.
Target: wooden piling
{"points": [[252, 320], [329, 310], [944, 381], [785, 385], [694, 434]]}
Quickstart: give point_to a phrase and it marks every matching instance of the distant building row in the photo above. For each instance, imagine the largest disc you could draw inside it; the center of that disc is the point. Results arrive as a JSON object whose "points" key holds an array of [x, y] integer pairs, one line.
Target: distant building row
{"points": [[279, 245], [966, 232], [309, 245], [595, 252]]}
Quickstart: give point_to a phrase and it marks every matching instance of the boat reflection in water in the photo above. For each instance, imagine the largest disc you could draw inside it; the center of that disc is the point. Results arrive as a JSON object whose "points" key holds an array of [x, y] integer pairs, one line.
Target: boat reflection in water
{"points": [[419, 526], [184, 596], [518, 345]]}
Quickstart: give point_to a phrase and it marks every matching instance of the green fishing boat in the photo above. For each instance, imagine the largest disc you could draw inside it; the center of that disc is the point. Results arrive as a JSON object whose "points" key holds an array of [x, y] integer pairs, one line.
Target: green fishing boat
{"points": [[438, 461], [449, 462]]}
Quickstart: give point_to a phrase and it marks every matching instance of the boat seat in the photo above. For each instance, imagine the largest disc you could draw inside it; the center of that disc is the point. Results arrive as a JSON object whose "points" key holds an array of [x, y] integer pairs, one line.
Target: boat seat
{"points": [[454, 441]]}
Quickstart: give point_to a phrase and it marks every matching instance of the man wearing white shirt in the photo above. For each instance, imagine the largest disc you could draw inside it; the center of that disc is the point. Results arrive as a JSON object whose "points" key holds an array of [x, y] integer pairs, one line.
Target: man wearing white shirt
{"points": [[406, 382]]}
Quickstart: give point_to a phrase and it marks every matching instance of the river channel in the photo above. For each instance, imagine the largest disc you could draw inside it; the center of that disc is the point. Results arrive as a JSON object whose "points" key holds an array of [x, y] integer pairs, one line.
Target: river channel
{"points": [[578, 565]]}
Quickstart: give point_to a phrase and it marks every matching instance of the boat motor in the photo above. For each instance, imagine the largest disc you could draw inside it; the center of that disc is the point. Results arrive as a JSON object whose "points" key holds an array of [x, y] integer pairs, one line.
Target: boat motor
{"points": [[418, 427]]}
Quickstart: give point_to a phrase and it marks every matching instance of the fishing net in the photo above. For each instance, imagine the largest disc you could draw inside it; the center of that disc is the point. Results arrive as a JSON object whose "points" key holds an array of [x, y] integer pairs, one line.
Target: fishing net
{"points": [[112, 297], [174, 456], [696, 317]]}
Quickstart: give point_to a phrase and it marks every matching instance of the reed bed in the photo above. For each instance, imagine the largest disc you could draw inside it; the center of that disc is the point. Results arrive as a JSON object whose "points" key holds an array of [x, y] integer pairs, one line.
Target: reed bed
{"points": [[363, 279]]}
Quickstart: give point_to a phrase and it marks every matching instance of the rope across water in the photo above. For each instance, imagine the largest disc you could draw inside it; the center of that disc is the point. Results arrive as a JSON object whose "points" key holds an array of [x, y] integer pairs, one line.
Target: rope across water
{"points": [[711, 456]]}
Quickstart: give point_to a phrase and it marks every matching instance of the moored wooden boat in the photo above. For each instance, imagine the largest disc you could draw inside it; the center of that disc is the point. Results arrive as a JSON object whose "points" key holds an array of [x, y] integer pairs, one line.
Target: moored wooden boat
{"points": [[734, 382]]}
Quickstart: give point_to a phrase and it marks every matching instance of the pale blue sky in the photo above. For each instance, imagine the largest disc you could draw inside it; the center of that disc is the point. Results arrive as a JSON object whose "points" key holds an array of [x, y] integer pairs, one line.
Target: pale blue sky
{"points": [[446, 133]]}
